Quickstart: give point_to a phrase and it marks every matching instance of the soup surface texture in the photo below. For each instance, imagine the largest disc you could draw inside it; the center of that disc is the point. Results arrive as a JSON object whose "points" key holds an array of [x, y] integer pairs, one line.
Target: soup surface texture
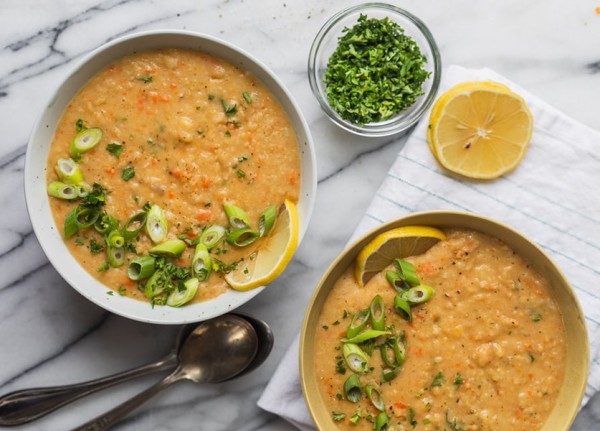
{"points": [[486, 352], [196, 132]]}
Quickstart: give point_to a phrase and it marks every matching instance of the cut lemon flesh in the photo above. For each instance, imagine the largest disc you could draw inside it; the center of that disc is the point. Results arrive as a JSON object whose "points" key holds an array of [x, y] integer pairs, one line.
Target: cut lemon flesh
{"points": [[480, 129], [272, 256], [393, 244]]}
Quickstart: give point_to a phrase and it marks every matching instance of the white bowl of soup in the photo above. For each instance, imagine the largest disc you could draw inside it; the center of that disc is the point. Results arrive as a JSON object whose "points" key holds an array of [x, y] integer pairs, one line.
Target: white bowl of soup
{"points": [[491, 337], [176, 120]]}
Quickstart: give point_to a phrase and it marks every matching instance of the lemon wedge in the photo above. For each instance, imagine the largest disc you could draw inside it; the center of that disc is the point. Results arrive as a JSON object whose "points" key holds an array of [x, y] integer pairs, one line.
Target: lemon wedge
{"points": [[396, 243], [479, 129], [272, 256]]}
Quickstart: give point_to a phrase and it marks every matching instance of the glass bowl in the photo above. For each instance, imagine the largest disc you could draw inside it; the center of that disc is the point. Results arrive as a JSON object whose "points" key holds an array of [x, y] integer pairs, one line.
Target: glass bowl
{"points": [[326, 42]]}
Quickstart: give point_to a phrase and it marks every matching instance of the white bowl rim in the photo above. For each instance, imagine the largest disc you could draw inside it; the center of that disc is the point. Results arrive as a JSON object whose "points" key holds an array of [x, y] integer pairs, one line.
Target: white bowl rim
{"points": [[58, 254]]}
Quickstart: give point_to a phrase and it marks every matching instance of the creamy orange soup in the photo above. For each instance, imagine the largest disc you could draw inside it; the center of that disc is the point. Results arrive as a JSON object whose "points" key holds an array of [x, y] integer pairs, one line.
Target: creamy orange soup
{"points": [[486, 352], [198, 132]]}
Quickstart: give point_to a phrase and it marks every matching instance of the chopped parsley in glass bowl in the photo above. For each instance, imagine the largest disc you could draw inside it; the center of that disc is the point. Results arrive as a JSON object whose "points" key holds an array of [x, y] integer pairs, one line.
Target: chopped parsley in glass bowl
{"points": [[375, 69]]}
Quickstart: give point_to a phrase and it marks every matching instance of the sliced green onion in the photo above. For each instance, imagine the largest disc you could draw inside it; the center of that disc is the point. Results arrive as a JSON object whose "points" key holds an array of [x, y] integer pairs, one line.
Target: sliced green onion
{"points": [[375, 397], [365, 335], [403, 308], [358, 322], [156, 284], [141, 267], [169, 248], [85, 140], [114, 239], [267, 220], [69, 171], [179, 297], [83, 189], [86, 217], [396, 281], [116, 256], [382, 422], [352, 389], [237, 217], [389, 374], [356, 359], [71, 227], [407, 271], [106, 223], [377, 309], [60, 190], [400, 350], [212, 235], [134, 225], [201, 263], [242, 237], [388, 355], [156, 224], [418, 294]]}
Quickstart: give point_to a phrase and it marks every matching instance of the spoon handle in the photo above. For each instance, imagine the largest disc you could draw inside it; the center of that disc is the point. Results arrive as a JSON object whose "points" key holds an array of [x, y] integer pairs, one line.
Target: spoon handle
{"points": [[108, 419], [26, 405]]}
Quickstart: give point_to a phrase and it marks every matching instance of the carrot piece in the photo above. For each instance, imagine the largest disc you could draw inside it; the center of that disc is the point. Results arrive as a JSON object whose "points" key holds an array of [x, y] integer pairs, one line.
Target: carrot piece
{"points": [[170, 194], [400, 405], [203, 215]]}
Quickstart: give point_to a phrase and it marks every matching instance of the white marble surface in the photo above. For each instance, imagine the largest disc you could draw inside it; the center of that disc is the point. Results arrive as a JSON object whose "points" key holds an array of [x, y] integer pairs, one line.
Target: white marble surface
{"points": [[50, 335]]}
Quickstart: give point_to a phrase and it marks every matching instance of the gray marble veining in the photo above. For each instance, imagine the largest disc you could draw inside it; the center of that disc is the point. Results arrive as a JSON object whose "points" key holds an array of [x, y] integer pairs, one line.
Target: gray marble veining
{"points": [[51, 335]]}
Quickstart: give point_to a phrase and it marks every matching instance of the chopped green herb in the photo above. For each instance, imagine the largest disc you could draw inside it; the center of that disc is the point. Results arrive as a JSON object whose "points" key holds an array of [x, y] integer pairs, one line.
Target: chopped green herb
{"points": [[228, 134], [340, 367], [200, 131], [338, 416], [438, 379], [128, 173], [79, 125], [325, 327], [356, 417], [346, 314], [247, 97], [411, 417], [211, 96], [110, 292], [240, 173], [230, 110], [375, 72], [147, 206], [95, 198], [79, 241], [115, 149], [145, 79], [531, 357], [337, 322], [535, 315], [122, 291], [458, 379], [234, 123], [95, 247]]}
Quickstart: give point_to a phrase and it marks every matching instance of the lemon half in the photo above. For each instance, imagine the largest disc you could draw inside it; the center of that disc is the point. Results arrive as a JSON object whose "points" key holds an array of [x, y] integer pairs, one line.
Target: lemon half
{"points": [[273, 255], [480, 129], [396, 243]]}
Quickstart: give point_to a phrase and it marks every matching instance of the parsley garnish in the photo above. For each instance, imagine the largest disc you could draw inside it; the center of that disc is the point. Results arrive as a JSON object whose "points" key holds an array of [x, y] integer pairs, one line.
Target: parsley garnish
{"points": [[115, 149], [128, 173], [438, 379], [411, 417], [95, 247], [458, 379], [230, 110], [145, 79], [247, 97], [338, 416], [104, 267], [79, 125], [375, 72]]}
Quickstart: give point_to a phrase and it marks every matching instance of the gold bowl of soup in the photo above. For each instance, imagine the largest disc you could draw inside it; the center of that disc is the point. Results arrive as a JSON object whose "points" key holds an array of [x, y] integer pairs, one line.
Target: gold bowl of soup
{"points": [[496, 340], [165, 127]]}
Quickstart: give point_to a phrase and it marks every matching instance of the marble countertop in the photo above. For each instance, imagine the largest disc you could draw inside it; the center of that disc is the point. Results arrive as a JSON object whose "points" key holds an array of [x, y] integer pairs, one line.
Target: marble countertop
{"points": [[50, 335]]}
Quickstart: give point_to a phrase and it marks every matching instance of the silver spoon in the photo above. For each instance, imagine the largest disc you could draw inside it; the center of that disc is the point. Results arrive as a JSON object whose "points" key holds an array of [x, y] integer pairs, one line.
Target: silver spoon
{"points": [[23, 406], [217, 350]]}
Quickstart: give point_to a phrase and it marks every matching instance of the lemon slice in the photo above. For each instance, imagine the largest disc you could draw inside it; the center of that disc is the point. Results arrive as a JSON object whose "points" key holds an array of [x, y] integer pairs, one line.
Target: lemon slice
{"points": [[480, 129], [396, 243], [272, 256]]}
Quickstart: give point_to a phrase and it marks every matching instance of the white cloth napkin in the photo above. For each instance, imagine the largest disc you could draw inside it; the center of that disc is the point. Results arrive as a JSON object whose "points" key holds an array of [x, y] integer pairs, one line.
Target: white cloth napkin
{"points": [[552, 197]]}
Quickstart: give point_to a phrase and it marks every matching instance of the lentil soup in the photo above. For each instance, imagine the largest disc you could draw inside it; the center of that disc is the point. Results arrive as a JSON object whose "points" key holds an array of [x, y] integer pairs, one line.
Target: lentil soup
{"points": [[485, 352], [188, 132]]}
